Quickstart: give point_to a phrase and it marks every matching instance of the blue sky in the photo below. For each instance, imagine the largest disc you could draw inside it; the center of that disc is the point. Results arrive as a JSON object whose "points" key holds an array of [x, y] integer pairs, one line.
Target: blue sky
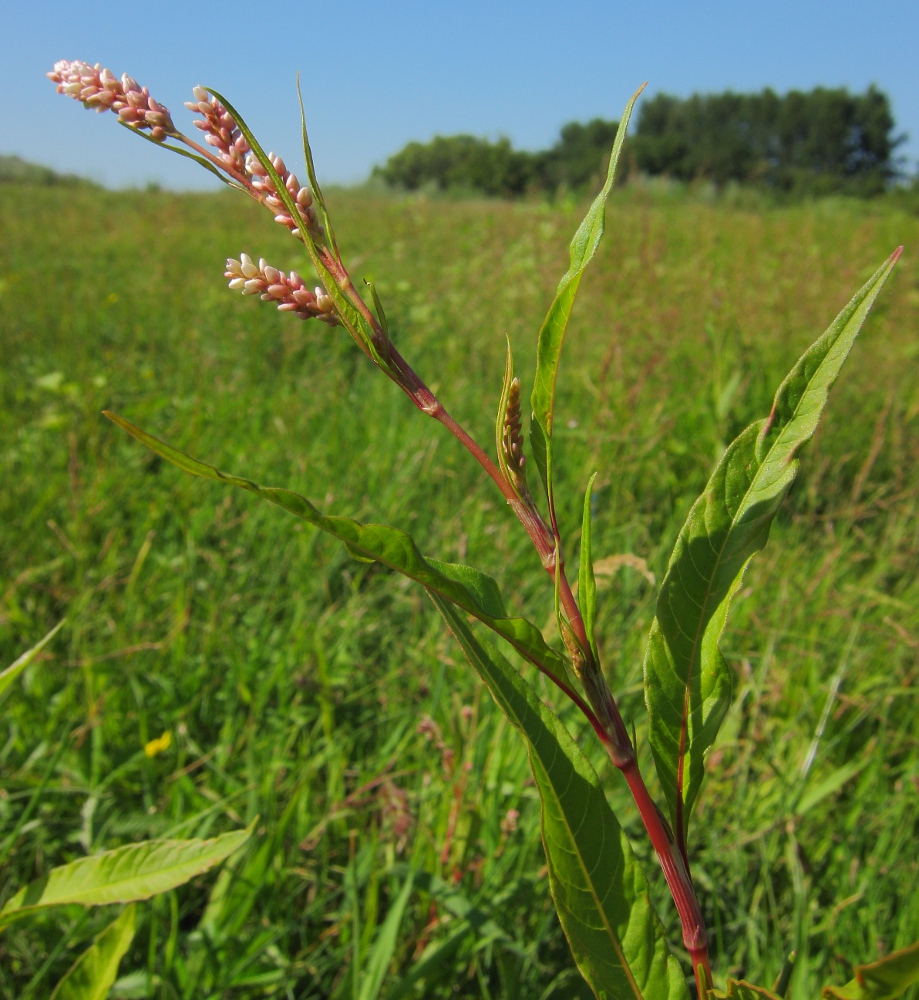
{"points": [[376, 75]]}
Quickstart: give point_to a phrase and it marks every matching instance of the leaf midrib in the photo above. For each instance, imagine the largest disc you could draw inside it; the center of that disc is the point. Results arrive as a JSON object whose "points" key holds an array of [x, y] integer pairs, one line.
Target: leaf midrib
{"points": [[109, 886], [700, 629]]}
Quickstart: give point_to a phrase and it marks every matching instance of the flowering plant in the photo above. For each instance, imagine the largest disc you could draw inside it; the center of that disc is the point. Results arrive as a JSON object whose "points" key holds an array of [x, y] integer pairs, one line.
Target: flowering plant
{"points": [[599, 887]]}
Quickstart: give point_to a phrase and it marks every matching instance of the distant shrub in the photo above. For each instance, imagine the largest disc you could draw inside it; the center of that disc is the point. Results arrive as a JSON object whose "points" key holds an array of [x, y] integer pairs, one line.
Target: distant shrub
{"points": [[820, 142], [15, 170], [461, 162], [824, 141]]}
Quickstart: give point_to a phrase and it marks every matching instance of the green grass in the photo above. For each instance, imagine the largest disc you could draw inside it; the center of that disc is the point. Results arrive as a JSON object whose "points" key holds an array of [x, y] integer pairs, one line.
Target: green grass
{"points": [[294, 681]]}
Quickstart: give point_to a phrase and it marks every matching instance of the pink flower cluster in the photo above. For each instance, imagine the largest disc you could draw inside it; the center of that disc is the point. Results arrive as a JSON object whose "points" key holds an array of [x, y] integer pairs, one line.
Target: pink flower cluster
{"points": [[221, 130], [264, 188], [100, 89], [222, 134], [287, 290]]}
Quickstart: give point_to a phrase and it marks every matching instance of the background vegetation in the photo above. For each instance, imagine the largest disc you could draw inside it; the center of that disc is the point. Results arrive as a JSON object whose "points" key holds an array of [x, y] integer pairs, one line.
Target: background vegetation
{"points": [[821, 141], [322, 694]]}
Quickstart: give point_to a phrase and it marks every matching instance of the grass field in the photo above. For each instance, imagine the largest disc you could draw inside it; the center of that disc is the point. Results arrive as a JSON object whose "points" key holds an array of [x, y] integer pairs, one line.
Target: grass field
{"points": [[323, 695]]}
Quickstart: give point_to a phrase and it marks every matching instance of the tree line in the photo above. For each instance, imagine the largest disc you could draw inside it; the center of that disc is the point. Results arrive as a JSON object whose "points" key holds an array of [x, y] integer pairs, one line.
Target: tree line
{"points": [[821, 141]]}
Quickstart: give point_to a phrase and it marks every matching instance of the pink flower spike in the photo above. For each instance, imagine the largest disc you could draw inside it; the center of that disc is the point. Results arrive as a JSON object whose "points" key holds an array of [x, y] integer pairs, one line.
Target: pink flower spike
{"points": [[99, 88], [273, 285]]}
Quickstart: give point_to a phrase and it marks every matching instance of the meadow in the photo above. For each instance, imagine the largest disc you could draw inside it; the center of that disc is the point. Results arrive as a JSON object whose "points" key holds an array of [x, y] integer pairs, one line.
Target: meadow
{"points": [[323, 694]]}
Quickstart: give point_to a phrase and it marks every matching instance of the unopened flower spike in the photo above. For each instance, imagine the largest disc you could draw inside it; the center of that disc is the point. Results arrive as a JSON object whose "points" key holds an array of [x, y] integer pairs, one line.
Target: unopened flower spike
{"points": [[226, 149], [512, 435], [264, 189], [221, 132], [288, 291], [100, 89]]}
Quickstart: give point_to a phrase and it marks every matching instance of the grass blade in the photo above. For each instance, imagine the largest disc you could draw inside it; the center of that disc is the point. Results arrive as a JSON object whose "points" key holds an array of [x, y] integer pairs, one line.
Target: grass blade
{"points": [[93, 973], [687, 682], [600, 890], [384, 946], [124, 874], [552, 333], [740, 989], [472, 590], [15, 669]]}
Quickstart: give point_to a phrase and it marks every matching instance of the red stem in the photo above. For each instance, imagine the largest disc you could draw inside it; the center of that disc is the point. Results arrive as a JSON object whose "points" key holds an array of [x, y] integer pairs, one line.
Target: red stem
{"points": [[547, 542], [617, 743]]}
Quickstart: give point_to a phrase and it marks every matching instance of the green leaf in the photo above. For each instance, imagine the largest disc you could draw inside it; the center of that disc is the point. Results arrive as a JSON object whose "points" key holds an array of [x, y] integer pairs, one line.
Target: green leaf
{"points": [[93, 973], [552, 333], [378, 305], [200, 160], [881, 980], [740, 989], [311, 173], [600, 890], [124, 875], [384, 945], [587, 584], [15, 669], [473, 591], [687, 682]]}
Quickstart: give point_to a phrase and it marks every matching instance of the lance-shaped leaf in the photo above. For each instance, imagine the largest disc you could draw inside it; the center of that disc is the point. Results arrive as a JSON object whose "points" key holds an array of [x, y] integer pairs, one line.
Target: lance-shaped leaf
{"points": [[15, 669], [687, 682], [311, 175], [472, 590], [123, 875], [552, 333], [92, 975], [882, 980], [600, 890]]}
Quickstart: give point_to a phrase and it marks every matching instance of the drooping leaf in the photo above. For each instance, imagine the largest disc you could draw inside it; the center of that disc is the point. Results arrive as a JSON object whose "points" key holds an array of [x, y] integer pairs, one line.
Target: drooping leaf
{"points": [[123, 875], [15, 669], [587, 584], [687, 682], [92, 975], [472, 590], [200, 160], [882, 980], [552, 333], [600, 890], [740, 989]]}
